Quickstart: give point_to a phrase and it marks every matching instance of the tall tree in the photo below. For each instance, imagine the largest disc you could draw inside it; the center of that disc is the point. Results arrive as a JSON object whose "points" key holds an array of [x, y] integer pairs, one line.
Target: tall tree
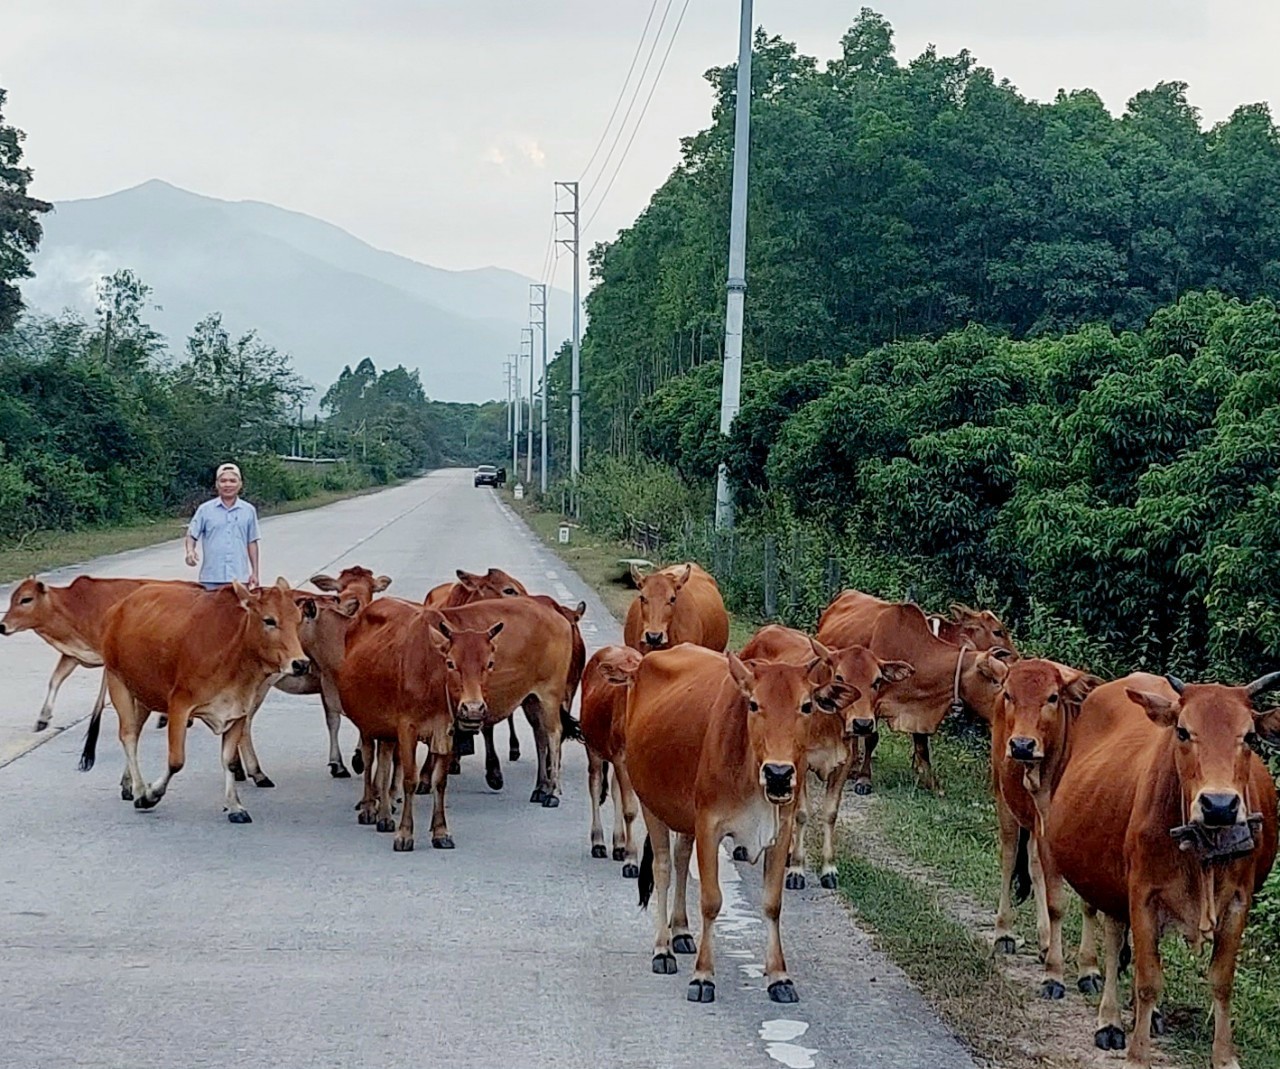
{"points": [[19, 221]]}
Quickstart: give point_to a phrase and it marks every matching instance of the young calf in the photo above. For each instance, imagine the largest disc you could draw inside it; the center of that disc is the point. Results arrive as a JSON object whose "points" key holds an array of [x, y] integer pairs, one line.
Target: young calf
{"points": [[604, 708]]}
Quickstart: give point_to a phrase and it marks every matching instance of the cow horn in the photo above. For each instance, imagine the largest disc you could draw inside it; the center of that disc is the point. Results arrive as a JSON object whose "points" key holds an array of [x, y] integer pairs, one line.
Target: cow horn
{"points": [[1175, 682], [1262, 683]]}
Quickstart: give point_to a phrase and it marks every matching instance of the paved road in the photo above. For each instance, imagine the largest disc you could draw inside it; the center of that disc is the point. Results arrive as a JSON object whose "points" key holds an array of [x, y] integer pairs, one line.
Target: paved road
{"points": [[172, 938]]}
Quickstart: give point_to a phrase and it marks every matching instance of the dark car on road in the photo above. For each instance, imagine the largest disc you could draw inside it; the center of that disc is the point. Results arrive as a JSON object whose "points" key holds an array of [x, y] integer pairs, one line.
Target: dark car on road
{"points": [[486, 475]]}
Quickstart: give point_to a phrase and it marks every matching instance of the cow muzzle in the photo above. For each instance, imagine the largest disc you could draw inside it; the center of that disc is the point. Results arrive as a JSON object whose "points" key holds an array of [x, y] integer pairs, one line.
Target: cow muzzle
{"points": [[299, 666], [860, 727], [779, 781], [1022, 748], [1217, 809], [655, 640], [4, 628], [470, 716]]}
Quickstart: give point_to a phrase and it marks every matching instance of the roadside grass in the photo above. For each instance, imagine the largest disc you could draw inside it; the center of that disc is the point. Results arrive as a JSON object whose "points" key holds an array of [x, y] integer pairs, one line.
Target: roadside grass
{"points": [[920, 867], [45, 550]]}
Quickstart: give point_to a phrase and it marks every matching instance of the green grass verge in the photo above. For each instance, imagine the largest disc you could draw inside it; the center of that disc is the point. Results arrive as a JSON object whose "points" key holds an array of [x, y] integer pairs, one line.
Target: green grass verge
{"points": [[45, 550]]}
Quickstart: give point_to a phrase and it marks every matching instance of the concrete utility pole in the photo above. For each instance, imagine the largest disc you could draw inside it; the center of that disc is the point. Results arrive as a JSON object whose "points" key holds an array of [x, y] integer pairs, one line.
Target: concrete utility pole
{"points": [[528, 459], [514, 361], [511, 412], [538, 303], [575, 385], [731, 384]]}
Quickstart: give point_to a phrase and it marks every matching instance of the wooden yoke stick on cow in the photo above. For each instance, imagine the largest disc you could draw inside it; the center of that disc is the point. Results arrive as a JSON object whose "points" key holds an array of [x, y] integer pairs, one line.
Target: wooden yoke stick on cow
{"points": [[1166, 821], [205, 654], [716, 747], [677, 604]]}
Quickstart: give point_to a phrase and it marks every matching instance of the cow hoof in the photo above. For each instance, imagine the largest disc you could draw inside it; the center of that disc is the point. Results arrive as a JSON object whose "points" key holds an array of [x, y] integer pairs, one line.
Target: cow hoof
{"points": [[263, 781], [684, 944], [238, 772], [739, 853], [598, 851], [1006, 944], [630, 871], [403, 844], [830, 881], [357, 762], [1158, 1027], [619, 852], [1052, 989], [239, 816], [41, 725], [494, 780], [1090, 984], [455, 767], [423, 787], [386, 824], [783, 991], [794, 881], [444, 842], [861, 788], [366, 817], [1109, 1038], [339, 771], [126, 794], [538, 795], [513, 755], [702, 991], [147, 801], [664, 964], [162, 721], [551, 801]]}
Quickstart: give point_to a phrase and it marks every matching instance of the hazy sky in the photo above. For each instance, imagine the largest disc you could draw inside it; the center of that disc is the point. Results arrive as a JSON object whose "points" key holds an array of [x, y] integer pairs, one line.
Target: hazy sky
{"points": [[436, 128]]}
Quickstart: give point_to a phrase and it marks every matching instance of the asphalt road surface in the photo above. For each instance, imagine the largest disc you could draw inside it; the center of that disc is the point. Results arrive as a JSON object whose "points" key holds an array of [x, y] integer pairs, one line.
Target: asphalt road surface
{"points": [[172, 938]]}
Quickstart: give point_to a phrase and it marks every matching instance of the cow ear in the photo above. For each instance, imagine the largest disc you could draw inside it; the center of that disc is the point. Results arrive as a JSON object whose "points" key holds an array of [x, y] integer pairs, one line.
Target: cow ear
{"points": [[1001, 654], [741, 673], [467, 579], [381, 583], [896, 671], [992, 667], [637, 577], [40, 587], [820, 671], [443, 628], [618, 675], [308, 606], [684, 577], [496, 630], [349, 606], [324, 582], [580, 610], [844, 694], [241, 592], [282, 584], [1161, 710], [440, 638], [1267, 724], [1076, 688], [819, 650]]}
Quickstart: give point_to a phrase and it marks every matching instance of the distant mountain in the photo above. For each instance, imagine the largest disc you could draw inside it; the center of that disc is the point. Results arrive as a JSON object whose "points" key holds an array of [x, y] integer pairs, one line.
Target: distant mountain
{"points": [[305, 285]]}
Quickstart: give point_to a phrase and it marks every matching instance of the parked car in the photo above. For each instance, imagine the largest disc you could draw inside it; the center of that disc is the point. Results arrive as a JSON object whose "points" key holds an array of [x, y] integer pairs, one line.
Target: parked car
{"points": [[486, 475]]}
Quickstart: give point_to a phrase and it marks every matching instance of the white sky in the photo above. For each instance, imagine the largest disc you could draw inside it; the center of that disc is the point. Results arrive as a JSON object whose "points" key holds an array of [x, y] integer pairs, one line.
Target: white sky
{"points": [[435, 129]]}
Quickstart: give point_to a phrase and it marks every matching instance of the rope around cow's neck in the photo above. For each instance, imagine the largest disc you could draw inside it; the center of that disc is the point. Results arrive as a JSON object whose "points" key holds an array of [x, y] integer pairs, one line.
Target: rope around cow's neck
{"points": [[957, 703]]}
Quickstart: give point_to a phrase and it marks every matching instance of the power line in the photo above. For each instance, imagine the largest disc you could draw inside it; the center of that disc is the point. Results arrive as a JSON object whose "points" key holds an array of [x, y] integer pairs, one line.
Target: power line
{"points": [[635, 93], [636, 129], [622, 91]]}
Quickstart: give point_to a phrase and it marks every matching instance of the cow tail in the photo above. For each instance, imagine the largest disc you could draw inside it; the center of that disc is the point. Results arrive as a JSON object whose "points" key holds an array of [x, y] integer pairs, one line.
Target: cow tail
{"points": [[1126, 952], [90, 752], [1021, 884], [604, 782], [646, 873], [569, 727]]}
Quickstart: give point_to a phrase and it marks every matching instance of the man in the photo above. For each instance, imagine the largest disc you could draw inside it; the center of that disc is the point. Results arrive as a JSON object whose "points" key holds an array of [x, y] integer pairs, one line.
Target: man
{"points": [[228, 527]]}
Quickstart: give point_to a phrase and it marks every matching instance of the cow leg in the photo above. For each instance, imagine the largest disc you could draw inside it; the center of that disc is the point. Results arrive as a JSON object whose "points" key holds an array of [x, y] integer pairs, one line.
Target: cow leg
{"points": [[249, 756], [866, 746], [1148, 977], [1088, 979], [131, 719], [65, 666], [492, 766], [424, 774], [921, 764], [549, 708], [367, 807], [179, 717], [540, 749], [702, 988], [440, 837], [513, 748], [1109, 1034], [664, 961], [781, 989], [625, 795], [332, 722], [595, 783], [386, 772], [796, 855], [231, 739], [407, 747], [681, 938], [829, 877], [1222, 972], [1005, 942], [1047, 885]]}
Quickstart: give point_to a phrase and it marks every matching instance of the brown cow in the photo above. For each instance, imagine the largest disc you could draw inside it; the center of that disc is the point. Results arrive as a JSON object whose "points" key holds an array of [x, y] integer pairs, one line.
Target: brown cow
{"points": [[603, 720], [716, 747], [495, 583], [677, 604], [980, 628], [195, 653], [1031, 731], [947, 677], [859, 682], [1166, 821]]}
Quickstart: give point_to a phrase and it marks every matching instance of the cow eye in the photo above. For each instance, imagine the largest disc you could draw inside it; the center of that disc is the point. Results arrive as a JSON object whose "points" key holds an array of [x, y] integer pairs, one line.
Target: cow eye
{"points": [[1251, 739], [1053, 699], [644, 600], [1183, 734], [509, 591], [671, 601], [451, 666], [270, 621], [877, 683], [753, 705], [997, 632], [806, 707], [490, 666], [26, 601]]}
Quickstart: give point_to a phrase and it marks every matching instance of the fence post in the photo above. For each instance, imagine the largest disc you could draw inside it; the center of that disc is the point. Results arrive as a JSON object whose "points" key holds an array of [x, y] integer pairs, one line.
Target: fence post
{"points": [[795, 573], [770, 577]]}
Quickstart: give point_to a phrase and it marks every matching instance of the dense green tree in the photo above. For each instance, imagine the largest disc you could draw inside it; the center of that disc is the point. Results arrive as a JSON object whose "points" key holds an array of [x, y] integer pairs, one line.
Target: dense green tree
{"points": [[19, 221]]}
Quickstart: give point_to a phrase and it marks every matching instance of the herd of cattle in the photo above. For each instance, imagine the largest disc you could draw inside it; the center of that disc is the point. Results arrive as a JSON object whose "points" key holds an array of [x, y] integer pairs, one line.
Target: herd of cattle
{"points": [[1143, 793]]}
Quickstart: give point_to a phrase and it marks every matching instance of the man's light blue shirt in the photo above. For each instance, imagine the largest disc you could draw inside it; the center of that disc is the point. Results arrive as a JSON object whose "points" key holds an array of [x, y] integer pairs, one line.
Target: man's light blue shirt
{"points": [[224, 534]]}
